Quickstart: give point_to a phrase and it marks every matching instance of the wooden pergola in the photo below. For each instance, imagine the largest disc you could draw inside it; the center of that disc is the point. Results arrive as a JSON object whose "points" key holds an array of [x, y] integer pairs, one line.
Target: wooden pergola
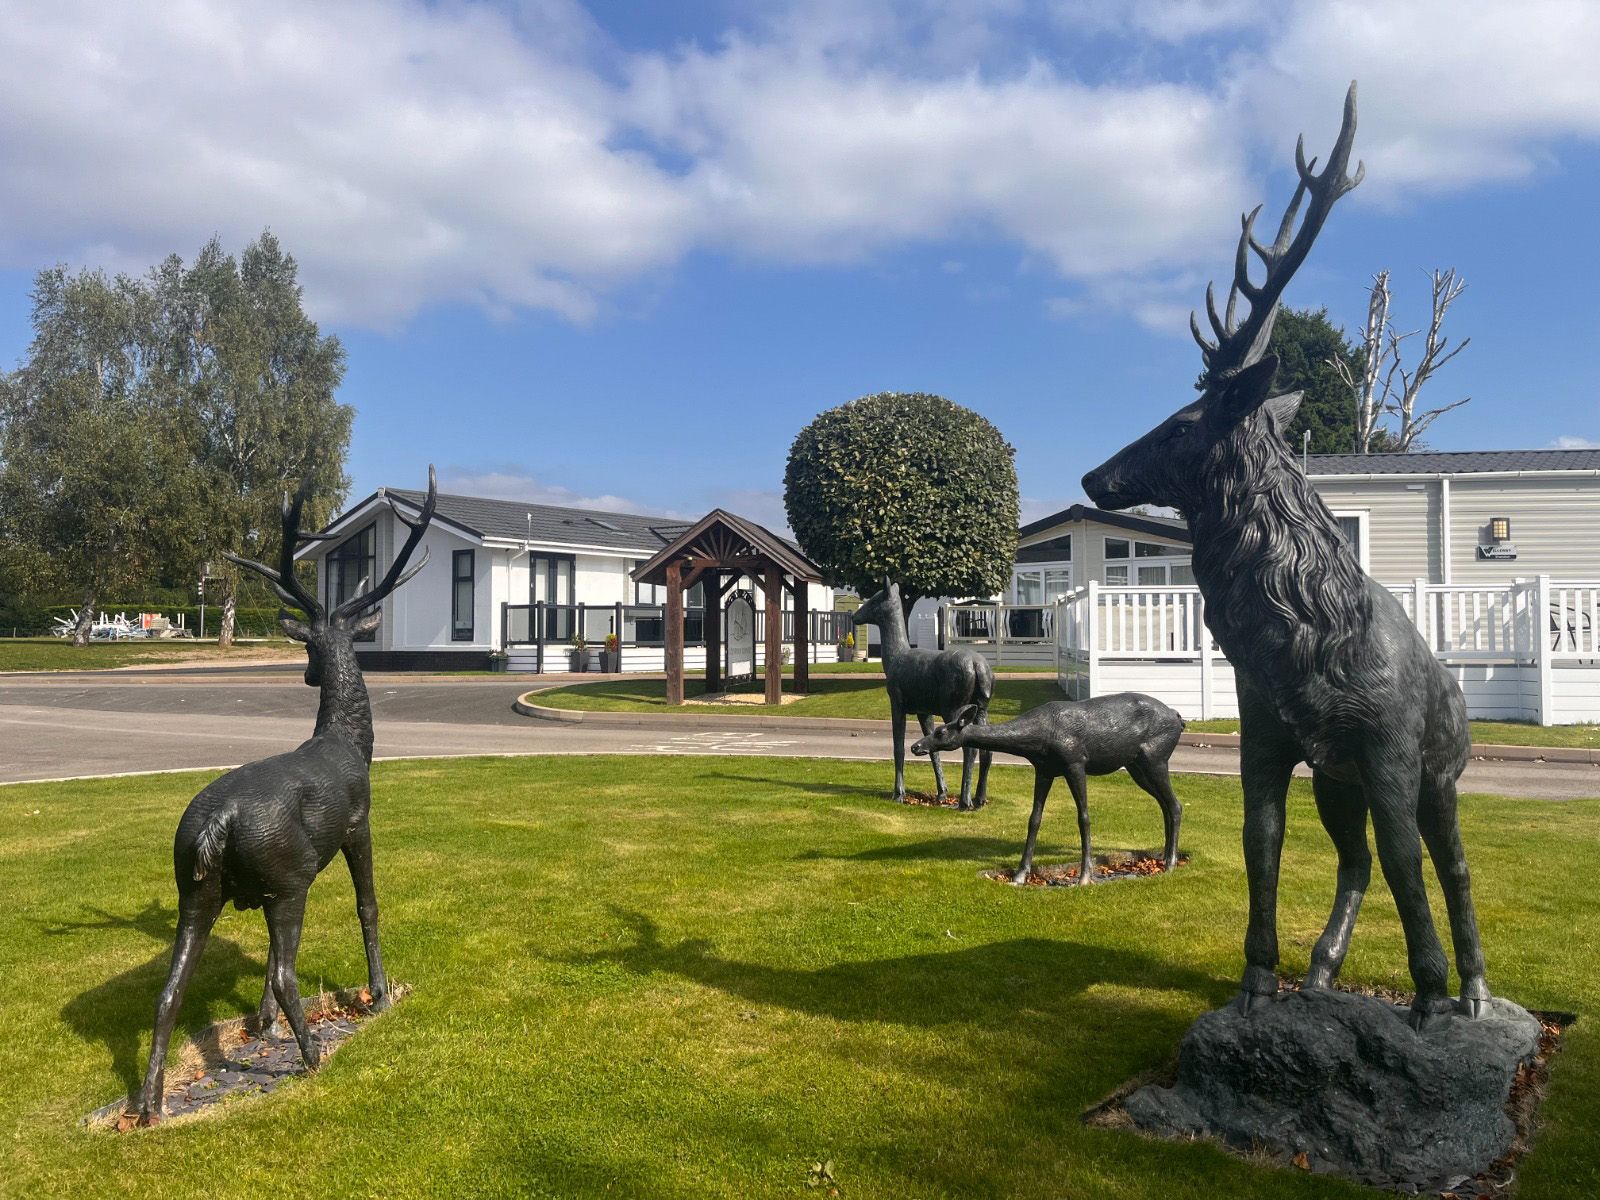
{"points": [[717, 550]]}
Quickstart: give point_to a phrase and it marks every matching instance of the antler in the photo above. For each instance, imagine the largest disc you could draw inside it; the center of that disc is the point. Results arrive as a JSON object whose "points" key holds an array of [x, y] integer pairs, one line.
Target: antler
{"points": [[283, 580], [397, 573], [1239, 345]]}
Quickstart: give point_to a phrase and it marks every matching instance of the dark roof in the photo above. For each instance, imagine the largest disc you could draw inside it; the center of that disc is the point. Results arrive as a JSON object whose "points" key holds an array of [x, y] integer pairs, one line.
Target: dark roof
{"points": [[509, 519], [1167, 527], [1453, 462], [720, 534]]}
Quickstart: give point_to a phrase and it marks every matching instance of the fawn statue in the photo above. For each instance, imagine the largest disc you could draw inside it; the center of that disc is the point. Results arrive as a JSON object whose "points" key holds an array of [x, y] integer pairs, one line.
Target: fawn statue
{"points": [[1076, 739]]}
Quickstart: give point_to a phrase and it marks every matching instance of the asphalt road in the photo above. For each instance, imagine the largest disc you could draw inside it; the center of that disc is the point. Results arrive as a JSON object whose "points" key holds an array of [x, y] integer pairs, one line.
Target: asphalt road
{"points": [[75, 725]]}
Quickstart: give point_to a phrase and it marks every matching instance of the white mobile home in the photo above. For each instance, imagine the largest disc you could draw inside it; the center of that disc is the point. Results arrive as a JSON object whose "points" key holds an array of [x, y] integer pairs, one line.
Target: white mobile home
{"points": [[519, 578]]}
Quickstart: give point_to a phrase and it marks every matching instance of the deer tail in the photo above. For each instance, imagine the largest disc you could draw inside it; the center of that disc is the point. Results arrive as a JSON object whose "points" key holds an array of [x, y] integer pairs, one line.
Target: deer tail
{"points": [[212, 842]]}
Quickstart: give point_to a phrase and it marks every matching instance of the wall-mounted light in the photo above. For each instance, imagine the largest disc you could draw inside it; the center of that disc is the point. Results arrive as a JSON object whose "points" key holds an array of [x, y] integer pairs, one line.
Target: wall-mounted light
{"points": [[1500, 528]]}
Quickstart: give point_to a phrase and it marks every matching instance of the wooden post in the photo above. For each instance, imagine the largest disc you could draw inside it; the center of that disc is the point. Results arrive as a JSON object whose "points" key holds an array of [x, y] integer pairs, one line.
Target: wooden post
{"points": [[802, 638], [1543, 649], [773, 670], [712, 587], [674, 647]]}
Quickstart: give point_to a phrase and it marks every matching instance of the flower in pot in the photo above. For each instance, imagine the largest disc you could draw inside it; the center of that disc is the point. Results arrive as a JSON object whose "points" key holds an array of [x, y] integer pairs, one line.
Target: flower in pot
{"points": [[847, 648], [580, 653], [612, 659], [498, 660]]}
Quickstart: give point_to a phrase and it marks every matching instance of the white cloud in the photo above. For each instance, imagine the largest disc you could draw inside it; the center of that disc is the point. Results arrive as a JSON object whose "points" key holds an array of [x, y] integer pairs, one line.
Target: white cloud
{"points": [[512, 483], [762, 505], [513, 157], [1570, 442]]}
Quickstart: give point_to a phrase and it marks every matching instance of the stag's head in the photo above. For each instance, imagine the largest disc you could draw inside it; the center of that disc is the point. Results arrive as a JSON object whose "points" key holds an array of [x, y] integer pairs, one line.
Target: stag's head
{"points": [[1172, 464], [329, 634], [947, 737]]}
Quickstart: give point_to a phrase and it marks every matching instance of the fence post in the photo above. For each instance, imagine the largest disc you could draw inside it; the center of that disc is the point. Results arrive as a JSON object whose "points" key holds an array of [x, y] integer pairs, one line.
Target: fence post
{"points": [[999, 634], [1092, 629], [538, 635], [1420, 613], [505, 616], [1207, 667], [1055, 614], [1547, 698]]}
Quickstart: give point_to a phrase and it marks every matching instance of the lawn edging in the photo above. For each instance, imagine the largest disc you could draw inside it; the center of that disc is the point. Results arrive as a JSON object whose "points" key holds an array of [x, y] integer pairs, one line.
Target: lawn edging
{"points": [[704, 720]]}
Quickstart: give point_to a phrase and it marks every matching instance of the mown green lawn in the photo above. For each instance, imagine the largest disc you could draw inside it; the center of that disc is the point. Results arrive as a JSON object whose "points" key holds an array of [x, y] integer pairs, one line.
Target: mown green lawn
{"points": [[1489, 733], [829, 697], [690, 977], [58, 654]]}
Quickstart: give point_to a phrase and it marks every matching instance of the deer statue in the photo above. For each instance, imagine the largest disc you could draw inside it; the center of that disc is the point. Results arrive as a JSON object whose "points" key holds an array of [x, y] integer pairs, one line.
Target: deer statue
{"points": [[1330, 670], [260, 834], [1076, 739], [929, 683]]}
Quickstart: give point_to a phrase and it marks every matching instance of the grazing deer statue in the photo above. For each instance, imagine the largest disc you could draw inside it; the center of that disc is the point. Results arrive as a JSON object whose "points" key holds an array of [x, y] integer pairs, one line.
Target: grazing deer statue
{"points": [[1077, 739], [929, 683], [1330, 669], [261, 833]]}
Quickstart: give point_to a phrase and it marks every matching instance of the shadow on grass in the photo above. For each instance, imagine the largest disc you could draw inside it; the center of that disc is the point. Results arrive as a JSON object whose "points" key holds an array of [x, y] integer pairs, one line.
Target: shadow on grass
{"points": [[978, 850], [119, 1012], [809, 787], [989, 985]]}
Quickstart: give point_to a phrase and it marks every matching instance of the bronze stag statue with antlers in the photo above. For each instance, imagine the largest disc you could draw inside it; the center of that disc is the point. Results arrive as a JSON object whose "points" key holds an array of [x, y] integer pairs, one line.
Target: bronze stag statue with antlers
{"points": [[1330, 669], [261, 834]]}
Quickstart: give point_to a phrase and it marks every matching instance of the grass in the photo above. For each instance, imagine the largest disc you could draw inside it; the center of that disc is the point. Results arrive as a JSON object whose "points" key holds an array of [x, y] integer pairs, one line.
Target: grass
{"points": [[829, 697], [58, 654], [690, 977], [1485, 733]]}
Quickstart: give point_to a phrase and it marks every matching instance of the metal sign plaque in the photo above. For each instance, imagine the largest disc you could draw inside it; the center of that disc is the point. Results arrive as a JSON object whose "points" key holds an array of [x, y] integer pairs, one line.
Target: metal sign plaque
{"points": [[1502, 551], [739, 619]]}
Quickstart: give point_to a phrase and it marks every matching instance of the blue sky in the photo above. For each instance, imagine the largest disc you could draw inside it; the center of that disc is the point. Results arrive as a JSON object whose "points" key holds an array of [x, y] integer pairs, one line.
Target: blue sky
{"points": [[619, 254]]}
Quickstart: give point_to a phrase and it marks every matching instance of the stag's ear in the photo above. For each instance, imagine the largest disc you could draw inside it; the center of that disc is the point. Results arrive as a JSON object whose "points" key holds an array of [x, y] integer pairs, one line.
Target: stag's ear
{"points": [[1281, 410], [965, 717], [367, 622], [296, 629], [1248, 390]]}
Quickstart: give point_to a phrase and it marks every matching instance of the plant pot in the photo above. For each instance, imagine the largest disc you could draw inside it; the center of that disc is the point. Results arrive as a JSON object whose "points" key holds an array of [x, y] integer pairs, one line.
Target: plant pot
{"points": [[579, 660], [611, 661], [498, 664]]}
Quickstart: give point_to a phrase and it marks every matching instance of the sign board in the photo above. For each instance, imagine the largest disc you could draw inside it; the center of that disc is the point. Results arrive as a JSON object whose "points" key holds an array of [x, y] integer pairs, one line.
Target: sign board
{"points": [[739, 620], [1500, 552]]}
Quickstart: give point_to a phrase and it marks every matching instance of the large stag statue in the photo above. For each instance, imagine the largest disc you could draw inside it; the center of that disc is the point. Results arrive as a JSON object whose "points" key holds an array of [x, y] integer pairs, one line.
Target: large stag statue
{"points": [[261, 833], [1330, 670]]}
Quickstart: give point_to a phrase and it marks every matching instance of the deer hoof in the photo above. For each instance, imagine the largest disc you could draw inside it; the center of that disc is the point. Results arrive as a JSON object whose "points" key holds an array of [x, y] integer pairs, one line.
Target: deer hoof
{"points": [[1020, 878], [1318, 978], [1427, 1012]]}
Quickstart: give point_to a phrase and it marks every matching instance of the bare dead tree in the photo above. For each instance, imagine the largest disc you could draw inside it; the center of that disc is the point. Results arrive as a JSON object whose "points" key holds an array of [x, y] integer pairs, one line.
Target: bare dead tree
{"points": [[1368, 391], [1385, 387]]}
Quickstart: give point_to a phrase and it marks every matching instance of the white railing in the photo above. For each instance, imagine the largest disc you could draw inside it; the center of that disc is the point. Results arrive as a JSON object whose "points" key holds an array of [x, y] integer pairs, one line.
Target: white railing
{"points": [[1538, 625]]}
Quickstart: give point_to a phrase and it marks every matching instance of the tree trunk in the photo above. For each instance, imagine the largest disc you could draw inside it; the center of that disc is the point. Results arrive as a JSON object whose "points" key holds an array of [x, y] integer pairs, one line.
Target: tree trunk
{"points": [[85, 625], [230, 607]]}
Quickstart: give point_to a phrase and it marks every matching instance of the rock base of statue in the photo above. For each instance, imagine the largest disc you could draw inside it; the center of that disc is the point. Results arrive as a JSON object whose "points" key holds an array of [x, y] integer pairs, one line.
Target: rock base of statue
{"points": [[1341, 1084]]}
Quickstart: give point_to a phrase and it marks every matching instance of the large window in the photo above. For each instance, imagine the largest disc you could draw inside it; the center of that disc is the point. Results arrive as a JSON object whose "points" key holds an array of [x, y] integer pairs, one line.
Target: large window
{"points": [[1145, 564], [551, 581], [1040, 583], [461, 596], [352, 566]]}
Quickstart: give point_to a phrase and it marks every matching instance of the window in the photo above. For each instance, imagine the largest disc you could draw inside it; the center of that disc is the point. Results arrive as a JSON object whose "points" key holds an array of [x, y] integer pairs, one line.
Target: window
{"points": [[1030, 587], [352, 566], [1154, 564], [1353, 524], [461, 596], [1057, 584], [550, 581]]}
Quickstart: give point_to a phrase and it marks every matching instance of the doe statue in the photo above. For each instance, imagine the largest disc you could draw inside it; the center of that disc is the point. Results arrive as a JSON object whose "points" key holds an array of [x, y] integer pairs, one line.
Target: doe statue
{"points": [[1076, 739], [929, 683], [260, 834], [1330, 669]]}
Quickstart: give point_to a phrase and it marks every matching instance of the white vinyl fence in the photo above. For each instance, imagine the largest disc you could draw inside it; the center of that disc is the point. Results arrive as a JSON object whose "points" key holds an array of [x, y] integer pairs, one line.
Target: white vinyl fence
{"points": [[1528, 651]]}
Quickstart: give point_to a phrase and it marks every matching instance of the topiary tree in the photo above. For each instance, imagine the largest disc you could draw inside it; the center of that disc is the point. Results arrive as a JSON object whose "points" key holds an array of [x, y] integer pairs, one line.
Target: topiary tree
{"points": [[908, 486]]}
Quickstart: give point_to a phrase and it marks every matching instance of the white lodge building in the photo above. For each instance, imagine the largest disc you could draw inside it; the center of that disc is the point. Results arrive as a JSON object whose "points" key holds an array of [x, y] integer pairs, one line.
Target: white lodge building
{"points": [[526, 579]]}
